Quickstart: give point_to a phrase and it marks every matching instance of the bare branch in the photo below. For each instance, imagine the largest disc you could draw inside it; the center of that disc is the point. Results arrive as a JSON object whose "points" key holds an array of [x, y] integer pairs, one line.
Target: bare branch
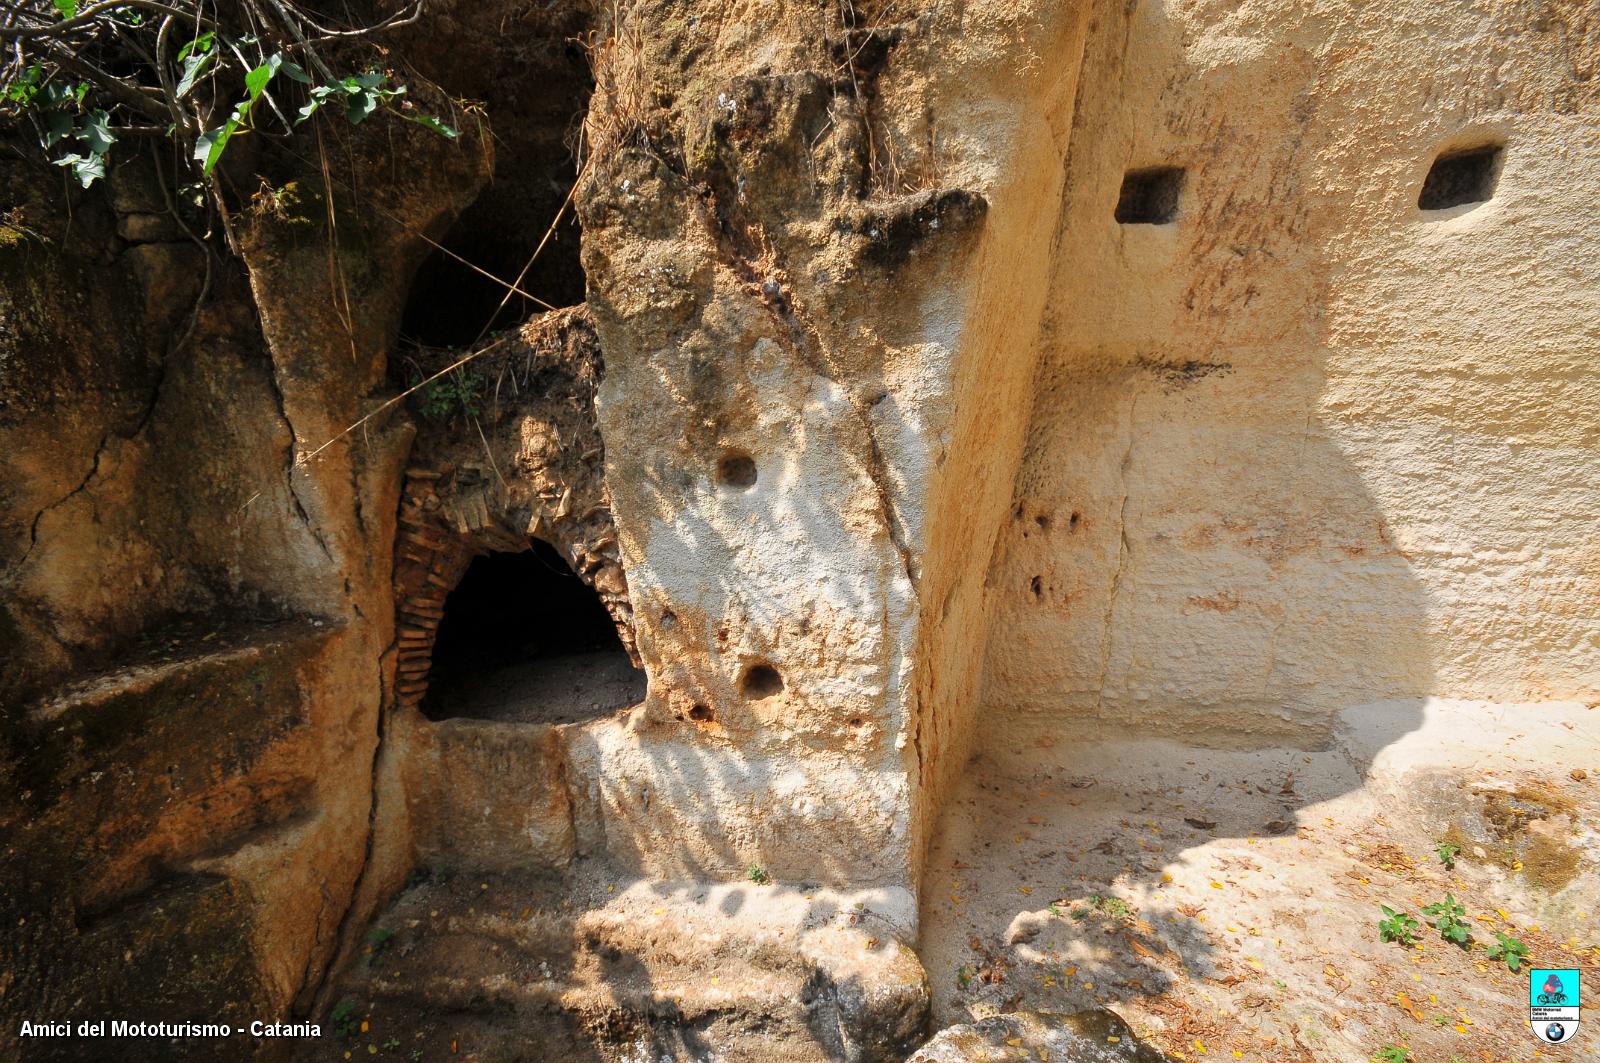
{"points": [[398, 19], [127, 94], [90, 15]]}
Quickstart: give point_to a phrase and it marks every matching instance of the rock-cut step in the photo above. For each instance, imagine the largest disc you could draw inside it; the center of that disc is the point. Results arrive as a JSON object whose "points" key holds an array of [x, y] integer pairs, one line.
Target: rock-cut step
{"points": [[588, 966]]}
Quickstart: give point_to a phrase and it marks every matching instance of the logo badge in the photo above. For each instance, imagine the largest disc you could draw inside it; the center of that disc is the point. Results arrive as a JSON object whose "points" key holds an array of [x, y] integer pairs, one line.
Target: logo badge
{"points": [[1553, 1004]]}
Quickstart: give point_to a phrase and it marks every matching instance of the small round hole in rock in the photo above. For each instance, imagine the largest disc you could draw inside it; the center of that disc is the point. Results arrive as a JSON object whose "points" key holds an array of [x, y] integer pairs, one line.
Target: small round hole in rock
{"points": [[761, 681], [702, 714], [736, 469]]}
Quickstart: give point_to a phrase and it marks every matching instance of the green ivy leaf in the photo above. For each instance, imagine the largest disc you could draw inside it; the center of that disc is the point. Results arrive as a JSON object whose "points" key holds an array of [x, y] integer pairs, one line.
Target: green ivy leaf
{"points": [[255, 82], [319, 96], [26, 86], [95, 132], [200, 44], [208, 146], [428, 121], [68, 9], [57, 127], [359, 105], [193, 67], [86, 168]]}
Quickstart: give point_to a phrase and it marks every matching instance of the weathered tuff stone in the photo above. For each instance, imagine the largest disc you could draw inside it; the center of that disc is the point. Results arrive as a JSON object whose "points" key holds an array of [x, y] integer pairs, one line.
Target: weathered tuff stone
{"points": [[1084, 1037], [587, 966], [1301, 446]]}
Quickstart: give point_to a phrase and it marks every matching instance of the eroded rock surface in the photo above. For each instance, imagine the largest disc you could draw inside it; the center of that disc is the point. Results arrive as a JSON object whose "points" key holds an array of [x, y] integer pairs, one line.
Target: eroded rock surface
{"points": [[1083, 1037], [976, 378], [591, 966]]}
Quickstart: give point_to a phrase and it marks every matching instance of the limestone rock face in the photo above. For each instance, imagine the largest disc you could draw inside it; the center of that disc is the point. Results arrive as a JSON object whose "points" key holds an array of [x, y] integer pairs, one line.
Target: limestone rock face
{"points": [[929, 379], [196, 610], [1083, 1037], [598, 969], [1306, 445], [816, 369]]}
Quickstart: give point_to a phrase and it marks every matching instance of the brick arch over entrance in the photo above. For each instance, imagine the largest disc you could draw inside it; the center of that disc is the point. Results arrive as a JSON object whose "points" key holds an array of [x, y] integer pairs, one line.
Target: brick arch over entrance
{"points": [[527, 466]]}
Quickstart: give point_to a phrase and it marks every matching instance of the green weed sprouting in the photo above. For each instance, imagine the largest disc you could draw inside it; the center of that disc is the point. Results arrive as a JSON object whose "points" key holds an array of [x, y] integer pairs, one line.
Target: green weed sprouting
{"points": [[1397, 926], [1447, 920]]}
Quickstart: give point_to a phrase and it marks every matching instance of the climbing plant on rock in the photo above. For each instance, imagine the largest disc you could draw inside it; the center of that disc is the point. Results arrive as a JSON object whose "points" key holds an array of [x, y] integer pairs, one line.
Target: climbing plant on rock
{"points": [[87, 77]]}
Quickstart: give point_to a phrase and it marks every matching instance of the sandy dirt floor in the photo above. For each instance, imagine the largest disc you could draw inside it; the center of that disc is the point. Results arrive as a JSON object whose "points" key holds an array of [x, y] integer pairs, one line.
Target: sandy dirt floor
{"points": [[555, 688], [1226, 903]]}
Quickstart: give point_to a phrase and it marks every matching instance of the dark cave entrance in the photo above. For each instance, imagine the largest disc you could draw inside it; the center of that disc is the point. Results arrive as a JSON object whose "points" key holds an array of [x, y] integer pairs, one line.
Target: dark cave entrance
{"points": [[535, 85], [452, 304], [525, 640]]}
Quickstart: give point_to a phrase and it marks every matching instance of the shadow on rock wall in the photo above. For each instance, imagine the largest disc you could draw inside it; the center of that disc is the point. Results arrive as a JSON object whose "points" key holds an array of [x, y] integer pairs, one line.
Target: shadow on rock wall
{"points": [[1198, 577]]}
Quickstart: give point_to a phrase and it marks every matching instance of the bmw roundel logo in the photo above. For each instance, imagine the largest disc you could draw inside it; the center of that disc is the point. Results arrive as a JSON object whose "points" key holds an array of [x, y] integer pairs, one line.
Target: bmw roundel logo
{"points": [[1555, 1032]]}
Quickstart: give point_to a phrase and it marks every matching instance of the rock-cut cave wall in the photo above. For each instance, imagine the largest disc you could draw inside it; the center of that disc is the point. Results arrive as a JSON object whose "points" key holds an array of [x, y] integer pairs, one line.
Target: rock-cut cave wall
{"points": [[196, 582], [801, 245], [941, 372], [1311, 442]]}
